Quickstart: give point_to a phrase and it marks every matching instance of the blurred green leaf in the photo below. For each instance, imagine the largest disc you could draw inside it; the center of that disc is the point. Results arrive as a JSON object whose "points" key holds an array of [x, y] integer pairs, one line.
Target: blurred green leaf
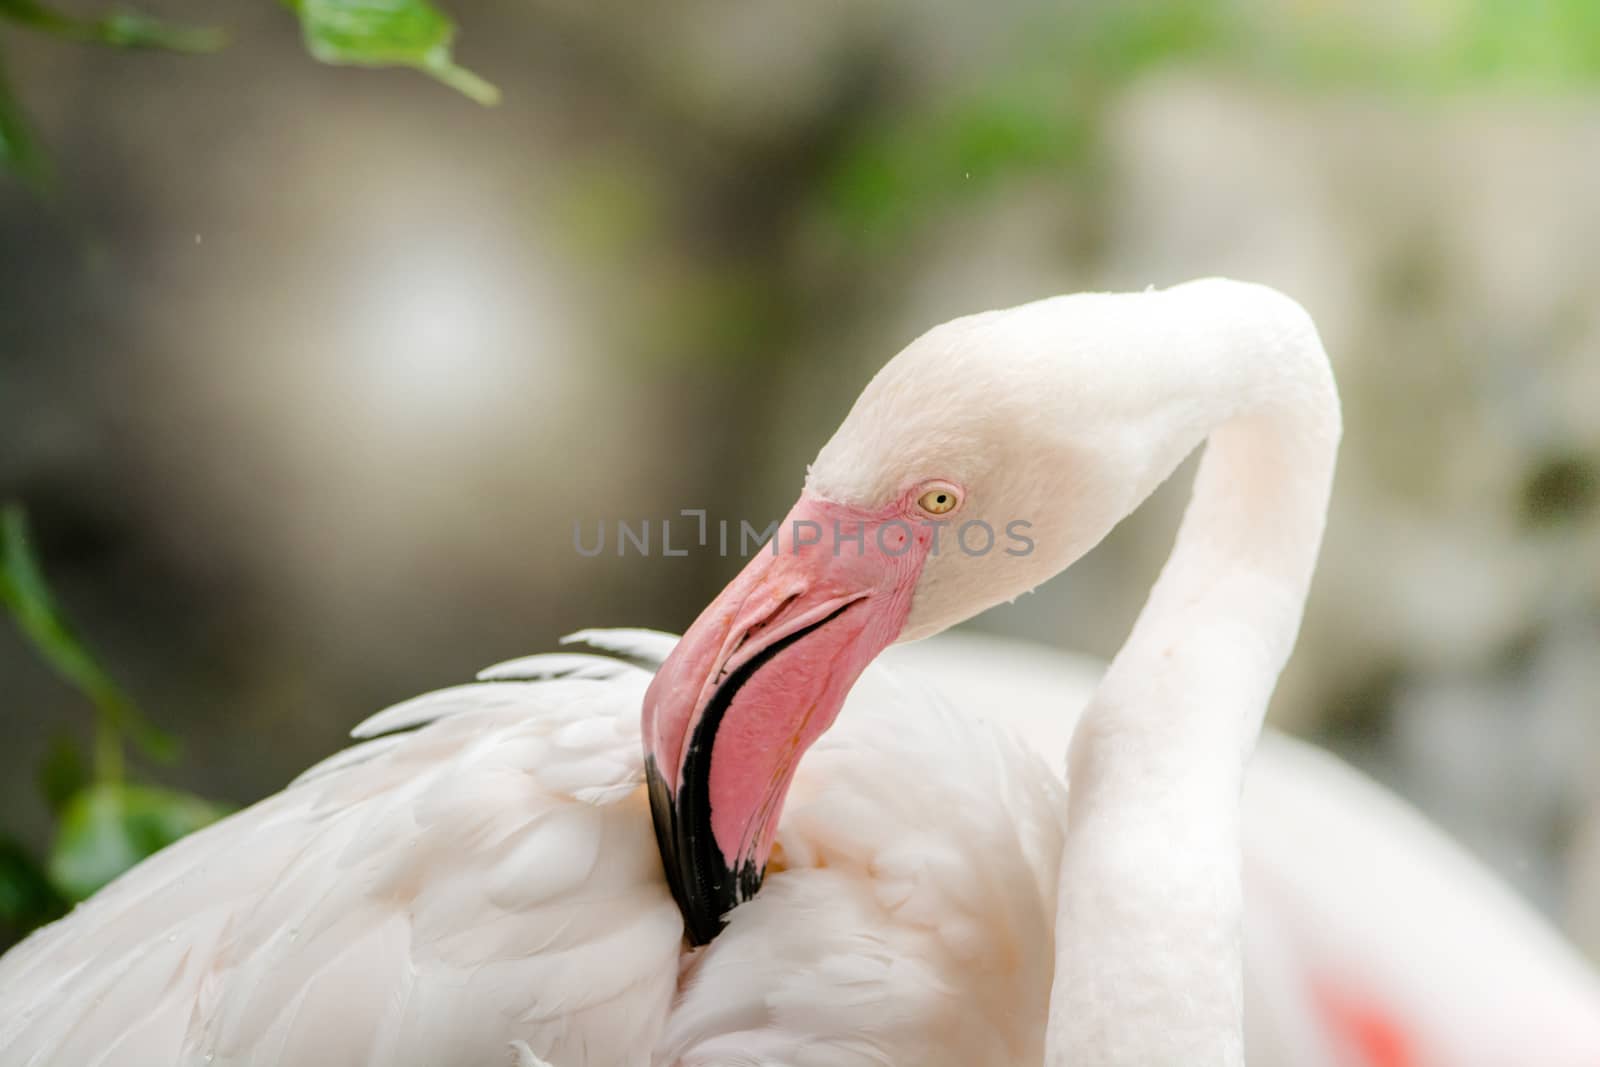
{"points": [[19, 148], [907, 170], [1537, 42], [389, 33], [27, 899], [24, 593], [63, 773], [121, 28], [109, 827], [1042, 108]]}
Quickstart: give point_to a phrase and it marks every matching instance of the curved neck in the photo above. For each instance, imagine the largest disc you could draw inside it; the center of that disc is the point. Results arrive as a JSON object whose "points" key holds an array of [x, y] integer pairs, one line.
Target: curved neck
{"points": [[1149, 968]]}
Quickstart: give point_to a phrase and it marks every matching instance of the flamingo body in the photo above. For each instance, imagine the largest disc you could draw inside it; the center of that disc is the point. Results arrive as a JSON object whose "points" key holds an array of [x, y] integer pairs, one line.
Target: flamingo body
{"points": [[486, 884], [495, 864], [485, 887]]}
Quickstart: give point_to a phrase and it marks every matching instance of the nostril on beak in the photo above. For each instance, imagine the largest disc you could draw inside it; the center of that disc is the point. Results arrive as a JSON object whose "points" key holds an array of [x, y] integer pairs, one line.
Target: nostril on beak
{"points": [[754, 631], [772, 616]]}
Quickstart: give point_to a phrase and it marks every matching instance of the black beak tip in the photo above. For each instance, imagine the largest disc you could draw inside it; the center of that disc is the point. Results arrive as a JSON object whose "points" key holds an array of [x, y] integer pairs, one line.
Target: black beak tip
{"points": [[701, 882]]}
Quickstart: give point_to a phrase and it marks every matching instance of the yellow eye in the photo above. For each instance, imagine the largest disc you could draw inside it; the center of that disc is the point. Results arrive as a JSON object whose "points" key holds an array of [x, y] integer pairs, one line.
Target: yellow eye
{"points": [[939, 500]]}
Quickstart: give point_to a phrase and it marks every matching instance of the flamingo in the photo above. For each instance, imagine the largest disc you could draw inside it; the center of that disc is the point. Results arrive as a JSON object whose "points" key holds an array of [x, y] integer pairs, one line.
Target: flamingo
{"points": [[477, 879]]}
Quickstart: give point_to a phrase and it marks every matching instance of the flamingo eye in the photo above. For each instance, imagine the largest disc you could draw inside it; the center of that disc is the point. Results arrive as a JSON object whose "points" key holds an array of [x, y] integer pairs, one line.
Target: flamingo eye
{"points": [[940, 500]]}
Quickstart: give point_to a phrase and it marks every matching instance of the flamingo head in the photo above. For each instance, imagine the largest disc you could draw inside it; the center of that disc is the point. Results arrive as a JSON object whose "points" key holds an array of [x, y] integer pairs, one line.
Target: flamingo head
{"points": [[987, 456]]}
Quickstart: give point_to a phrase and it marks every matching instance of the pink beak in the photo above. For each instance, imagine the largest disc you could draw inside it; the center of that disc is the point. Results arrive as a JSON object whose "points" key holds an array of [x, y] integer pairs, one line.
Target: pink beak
{"points": [[759, 676]]}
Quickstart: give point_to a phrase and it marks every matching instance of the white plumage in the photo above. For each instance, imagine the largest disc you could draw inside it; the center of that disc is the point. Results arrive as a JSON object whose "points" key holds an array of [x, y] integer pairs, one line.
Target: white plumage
{"points": [[423, 900], [379, 912], [486, 888], [490, 878]]}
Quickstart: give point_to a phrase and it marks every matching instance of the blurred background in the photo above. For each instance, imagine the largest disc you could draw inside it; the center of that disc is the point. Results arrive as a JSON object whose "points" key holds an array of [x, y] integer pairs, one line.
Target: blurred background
{"points": [[307, 372]]}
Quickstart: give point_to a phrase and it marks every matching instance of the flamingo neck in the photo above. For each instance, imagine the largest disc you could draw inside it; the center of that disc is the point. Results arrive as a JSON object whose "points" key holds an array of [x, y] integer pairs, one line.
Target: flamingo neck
{"points": [[1148, 960]]}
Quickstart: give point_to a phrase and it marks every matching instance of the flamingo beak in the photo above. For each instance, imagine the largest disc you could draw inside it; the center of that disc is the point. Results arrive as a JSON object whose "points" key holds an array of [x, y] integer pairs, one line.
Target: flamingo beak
{"points": [[761, 675]]}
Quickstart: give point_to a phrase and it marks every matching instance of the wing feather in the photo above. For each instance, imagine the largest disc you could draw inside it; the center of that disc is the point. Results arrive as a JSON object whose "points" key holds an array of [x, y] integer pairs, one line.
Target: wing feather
{"points": [[556, 665], [647, 647], [423, 898]]}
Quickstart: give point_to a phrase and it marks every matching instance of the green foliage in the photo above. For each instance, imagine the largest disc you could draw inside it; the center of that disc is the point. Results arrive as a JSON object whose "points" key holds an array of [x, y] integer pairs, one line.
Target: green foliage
{"points": [[1039, 108], [903, 170], [105, 825], [62, 774], [1038, 113], [19, 148], [1036, 110], [119, 29], [389, 33], [1542, 45], [27, 899], [368, 33], [20, 151], [109, 827], [25, 595]]}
